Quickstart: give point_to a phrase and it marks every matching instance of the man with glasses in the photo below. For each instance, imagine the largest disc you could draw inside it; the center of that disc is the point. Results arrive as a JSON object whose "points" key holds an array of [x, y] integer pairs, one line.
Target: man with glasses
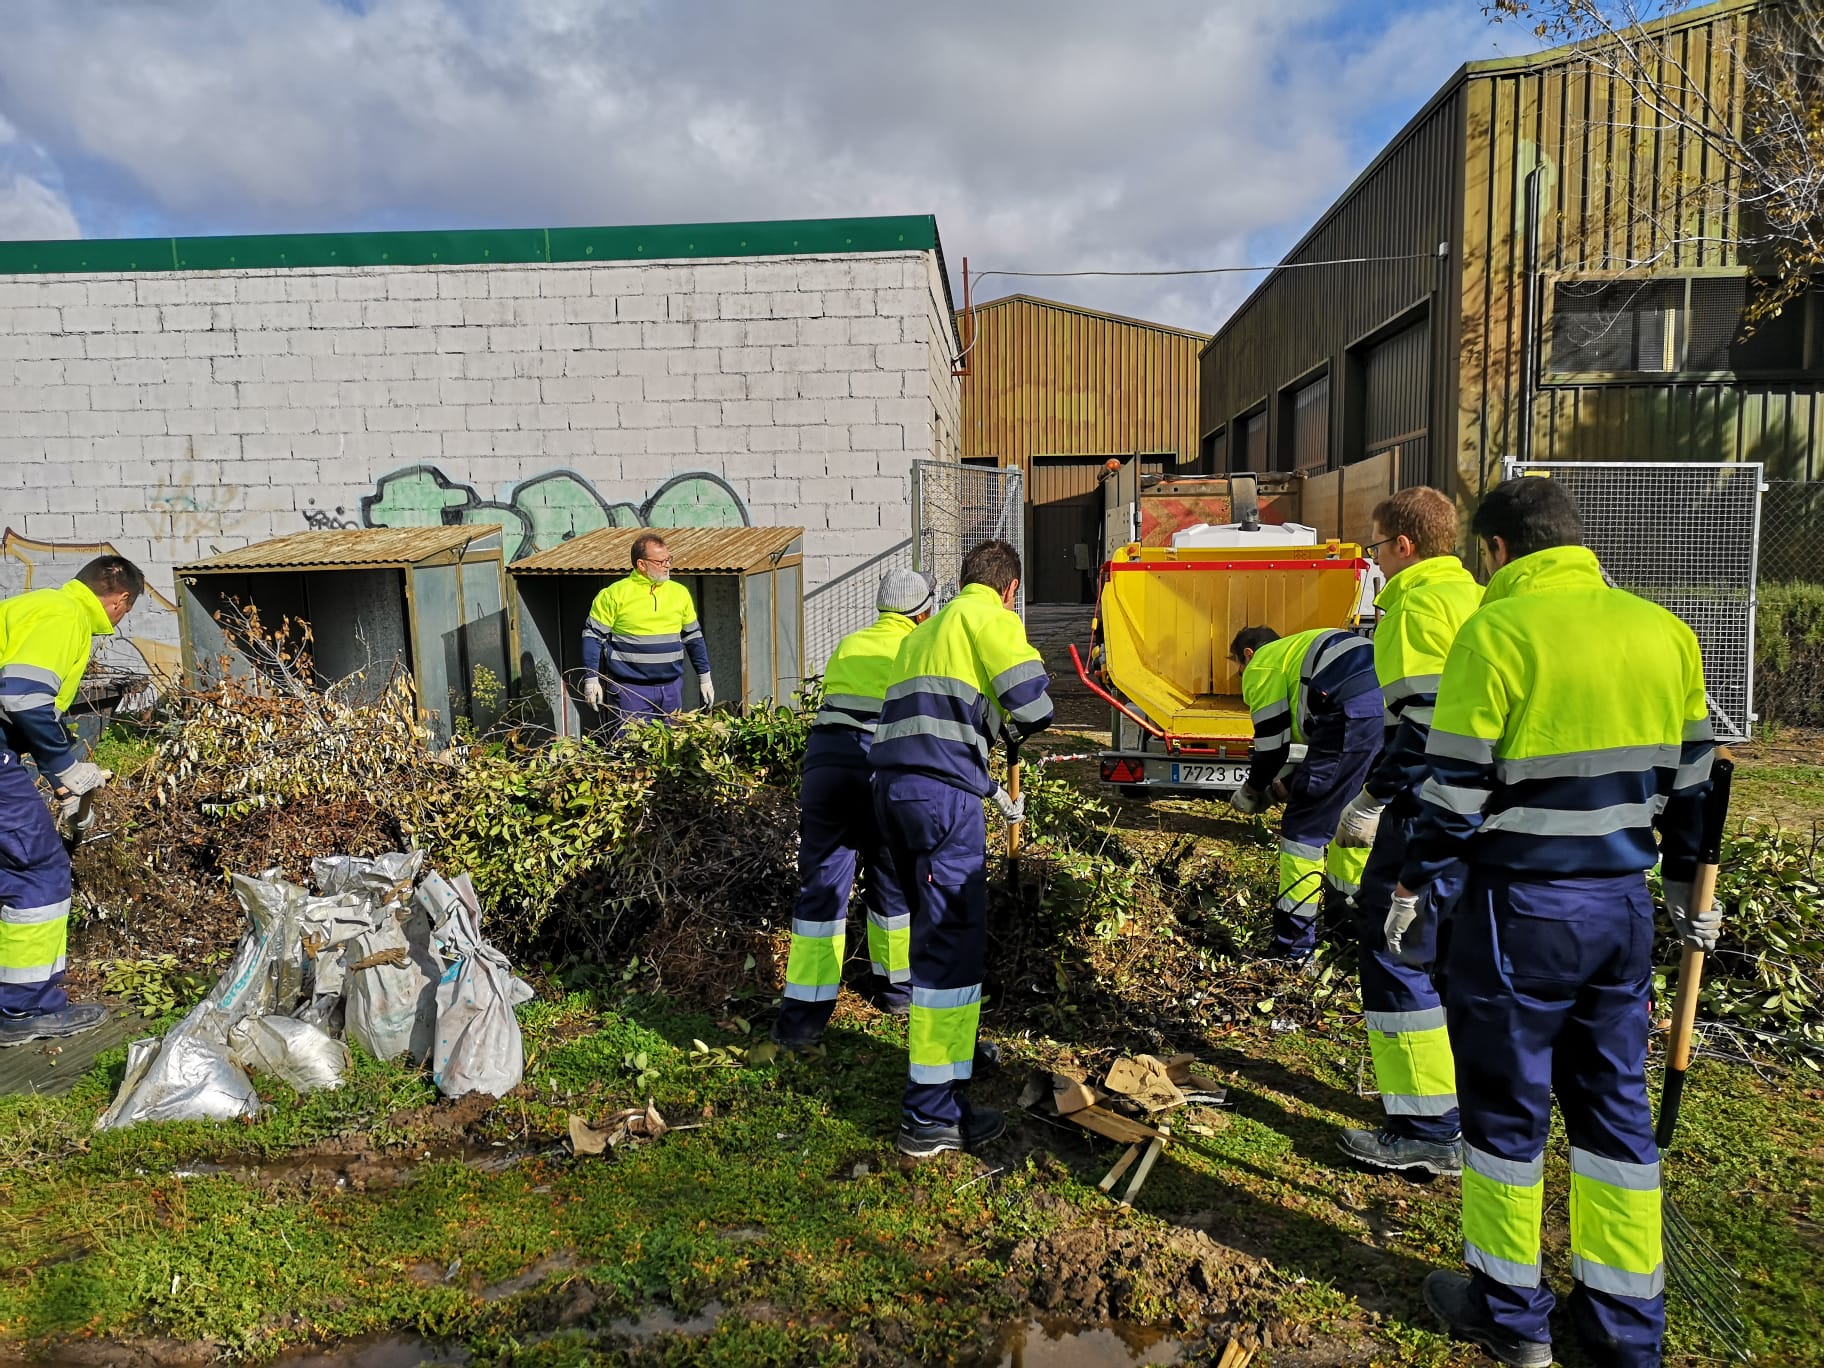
{"points": [[639, 632]]}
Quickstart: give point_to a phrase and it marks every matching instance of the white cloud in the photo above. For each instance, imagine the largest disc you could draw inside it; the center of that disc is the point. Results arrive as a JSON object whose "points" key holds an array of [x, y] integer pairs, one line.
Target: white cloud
{"points": [[31, 210], [1049, 134]]}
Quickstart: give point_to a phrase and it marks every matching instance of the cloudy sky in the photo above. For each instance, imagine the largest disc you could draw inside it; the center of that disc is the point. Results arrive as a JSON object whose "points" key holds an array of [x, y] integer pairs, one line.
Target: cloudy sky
{"points": [[1044, 134]]}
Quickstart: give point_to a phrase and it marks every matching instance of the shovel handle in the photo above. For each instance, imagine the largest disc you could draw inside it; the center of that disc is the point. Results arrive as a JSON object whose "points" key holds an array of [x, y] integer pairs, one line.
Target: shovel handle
{"points": [[1691, 961], [1013, 792]]}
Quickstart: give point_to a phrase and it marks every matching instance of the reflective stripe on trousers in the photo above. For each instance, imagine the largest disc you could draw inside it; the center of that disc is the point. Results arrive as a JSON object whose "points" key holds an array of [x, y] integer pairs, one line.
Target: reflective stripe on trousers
{"points": [[1546, 990], [34, 896], [937, 837]]}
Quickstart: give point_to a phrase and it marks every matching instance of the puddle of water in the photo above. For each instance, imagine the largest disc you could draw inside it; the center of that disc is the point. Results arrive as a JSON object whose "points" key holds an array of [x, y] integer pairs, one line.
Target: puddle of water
{"points": [[660, 1320], [382, 1351], [1066, 1344]]}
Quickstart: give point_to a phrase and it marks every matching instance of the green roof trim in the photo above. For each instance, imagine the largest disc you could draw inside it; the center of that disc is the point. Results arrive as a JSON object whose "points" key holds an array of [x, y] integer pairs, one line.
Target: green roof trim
{"points": [[486, 246]]}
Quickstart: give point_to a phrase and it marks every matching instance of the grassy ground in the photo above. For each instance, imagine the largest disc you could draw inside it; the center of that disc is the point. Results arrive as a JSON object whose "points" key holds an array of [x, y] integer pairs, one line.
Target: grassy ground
{"points": [[782, 1228]]}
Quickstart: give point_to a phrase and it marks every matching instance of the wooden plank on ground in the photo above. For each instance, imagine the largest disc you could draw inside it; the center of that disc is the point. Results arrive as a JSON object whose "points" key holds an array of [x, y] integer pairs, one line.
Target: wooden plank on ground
{"points": [[52, 1067], [1107, 1123]]}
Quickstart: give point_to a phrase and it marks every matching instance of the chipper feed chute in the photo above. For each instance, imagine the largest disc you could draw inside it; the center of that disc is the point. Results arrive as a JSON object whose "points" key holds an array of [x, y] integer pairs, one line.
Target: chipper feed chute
{"points": [[1165, 619]]}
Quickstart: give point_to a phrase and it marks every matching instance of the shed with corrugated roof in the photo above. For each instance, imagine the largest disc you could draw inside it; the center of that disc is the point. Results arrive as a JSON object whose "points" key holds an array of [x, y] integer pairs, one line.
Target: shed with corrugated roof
{"points": [[374, 600], [748, 585]]}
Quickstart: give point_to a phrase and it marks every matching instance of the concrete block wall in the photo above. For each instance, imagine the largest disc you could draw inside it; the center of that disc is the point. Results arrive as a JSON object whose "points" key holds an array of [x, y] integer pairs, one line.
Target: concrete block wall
{"points": [[175, 414]]}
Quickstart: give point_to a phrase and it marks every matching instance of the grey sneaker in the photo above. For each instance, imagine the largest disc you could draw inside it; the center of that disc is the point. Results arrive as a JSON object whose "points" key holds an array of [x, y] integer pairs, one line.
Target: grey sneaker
{"points": [[1384, 1149], [69, 1021], [981, 1125], [1449, 1297]]}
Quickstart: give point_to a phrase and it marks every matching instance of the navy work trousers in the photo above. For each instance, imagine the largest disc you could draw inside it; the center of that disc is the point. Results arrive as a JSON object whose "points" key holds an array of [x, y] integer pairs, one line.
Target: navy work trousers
{"points": [[937, 837], [838, 836], [624, 702], [1340, 750], [1399, 996], [34, 896], [1546, 991]]}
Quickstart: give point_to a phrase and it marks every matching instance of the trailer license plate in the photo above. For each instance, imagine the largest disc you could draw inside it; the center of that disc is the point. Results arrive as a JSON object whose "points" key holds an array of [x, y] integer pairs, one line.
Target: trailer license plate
{"points": [[1210, 776]]}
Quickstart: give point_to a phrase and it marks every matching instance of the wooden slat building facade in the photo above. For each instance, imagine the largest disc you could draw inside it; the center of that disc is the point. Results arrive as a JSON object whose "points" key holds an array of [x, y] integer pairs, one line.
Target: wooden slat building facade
{"points": [[1059, 390], [1422, 352]]}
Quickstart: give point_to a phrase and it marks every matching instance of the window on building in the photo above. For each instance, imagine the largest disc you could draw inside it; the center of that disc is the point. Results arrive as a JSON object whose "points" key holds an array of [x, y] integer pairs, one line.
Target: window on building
{"points": [[1254, 439], [1677, 326], [1213, 459], [1308, 447]]}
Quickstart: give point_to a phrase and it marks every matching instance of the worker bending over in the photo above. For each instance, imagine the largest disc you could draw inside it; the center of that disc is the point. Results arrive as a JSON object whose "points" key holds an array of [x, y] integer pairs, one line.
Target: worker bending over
{"points": [[1428, 597], [1571, 721], [837, 829], [640, 629], [960, 680], [46, 638], [1316, 689]]}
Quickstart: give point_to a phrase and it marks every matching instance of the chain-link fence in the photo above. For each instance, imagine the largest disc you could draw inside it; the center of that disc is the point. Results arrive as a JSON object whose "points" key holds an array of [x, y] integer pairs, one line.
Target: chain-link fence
{"points": [[957, 507], [1789, 635], [1685, 537], [846, 604]]}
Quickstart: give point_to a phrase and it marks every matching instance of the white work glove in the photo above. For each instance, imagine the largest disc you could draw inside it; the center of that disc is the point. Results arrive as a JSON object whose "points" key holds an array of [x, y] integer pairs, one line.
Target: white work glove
{"points": [[1400, 917], [1360, 820], [1013, 809], [707, 687], [1698, 930], [1245, 799], [83, 777], [592, 692]]}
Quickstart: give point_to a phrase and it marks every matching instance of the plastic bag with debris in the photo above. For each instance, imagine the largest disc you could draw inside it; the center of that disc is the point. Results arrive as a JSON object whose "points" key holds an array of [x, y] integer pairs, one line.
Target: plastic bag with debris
{"points": [[478, 1047], [392, 972], [295, 1051], [327, 927], [383, 879], [187, 1076], [267, 974]]}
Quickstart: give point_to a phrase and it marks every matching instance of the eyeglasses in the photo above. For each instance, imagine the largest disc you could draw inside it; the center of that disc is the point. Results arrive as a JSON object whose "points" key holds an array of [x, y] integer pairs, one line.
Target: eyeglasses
{"points": [[1372, 547], [650, 560]]}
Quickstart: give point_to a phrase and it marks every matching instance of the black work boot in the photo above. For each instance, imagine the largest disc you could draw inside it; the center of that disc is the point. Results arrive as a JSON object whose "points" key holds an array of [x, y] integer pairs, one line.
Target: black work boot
{"points": [[1449, 1296], [1387, 1150], [980, 1125], [66, 1021]]}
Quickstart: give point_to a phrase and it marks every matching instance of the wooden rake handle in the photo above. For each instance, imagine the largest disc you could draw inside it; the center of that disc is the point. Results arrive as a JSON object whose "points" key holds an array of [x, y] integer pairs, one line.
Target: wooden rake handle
{"points": [[1691, 962]]}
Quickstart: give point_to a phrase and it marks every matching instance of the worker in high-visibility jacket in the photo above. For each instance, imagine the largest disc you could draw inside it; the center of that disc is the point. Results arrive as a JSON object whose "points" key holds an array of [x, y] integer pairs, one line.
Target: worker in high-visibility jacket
{"points": [[959, 681], [1315, 688], [1571, 723], [640, 631], [1428, 597], [46, 637], [838, 832]]}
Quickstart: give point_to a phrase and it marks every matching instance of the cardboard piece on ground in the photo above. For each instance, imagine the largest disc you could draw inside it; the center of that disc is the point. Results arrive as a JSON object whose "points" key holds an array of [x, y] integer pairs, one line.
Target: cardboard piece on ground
{"points": [[1183, 1070], [1146, 1080], [1069, 1095], [636, 1123]]}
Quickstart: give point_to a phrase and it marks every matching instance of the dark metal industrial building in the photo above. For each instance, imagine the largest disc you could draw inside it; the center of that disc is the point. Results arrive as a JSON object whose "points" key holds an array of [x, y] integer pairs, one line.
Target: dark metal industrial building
{"points": [[1427, 354]]}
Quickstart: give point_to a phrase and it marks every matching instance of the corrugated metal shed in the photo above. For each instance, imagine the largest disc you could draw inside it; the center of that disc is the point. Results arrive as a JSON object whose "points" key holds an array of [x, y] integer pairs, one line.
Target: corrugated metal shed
{"points": [[1050, 379], [694, 550], [360, 546]]}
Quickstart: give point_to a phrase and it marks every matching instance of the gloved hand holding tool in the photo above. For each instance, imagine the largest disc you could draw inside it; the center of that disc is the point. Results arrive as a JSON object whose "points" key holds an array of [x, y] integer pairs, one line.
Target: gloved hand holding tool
{"points": [[707, 687], [1247, 800], [1699, 930], [592, 691], [1013, 808]]}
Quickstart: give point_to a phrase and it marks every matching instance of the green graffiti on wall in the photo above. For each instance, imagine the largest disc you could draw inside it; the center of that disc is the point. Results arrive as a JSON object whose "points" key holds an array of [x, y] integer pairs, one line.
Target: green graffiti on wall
{"points": [[547, 509]]}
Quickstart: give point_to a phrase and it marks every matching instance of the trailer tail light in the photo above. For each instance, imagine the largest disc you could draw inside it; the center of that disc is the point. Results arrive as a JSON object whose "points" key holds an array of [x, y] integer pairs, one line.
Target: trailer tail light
{"points": [[1123, 771]]}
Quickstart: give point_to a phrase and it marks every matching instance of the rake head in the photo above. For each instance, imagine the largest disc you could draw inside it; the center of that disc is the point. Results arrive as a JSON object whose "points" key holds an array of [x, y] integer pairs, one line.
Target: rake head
{"points": [[1705, 1280]]}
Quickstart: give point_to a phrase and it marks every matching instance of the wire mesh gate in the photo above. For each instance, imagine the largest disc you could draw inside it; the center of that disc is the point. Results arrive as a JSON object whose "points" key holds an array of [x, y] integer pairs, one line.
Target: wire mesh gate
{"points": [[1687, 537], [956, 507]]}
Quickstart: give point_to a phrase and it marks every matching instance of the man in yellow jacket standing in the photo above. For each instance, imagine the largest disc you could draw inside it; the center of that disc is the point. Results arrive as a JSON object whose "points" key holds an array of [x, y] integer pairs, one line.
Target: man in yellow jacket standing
{"points": [[1429, 595], [961, 680], [640, 631], [1571, 727], [838, 833], [46, 638]]}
